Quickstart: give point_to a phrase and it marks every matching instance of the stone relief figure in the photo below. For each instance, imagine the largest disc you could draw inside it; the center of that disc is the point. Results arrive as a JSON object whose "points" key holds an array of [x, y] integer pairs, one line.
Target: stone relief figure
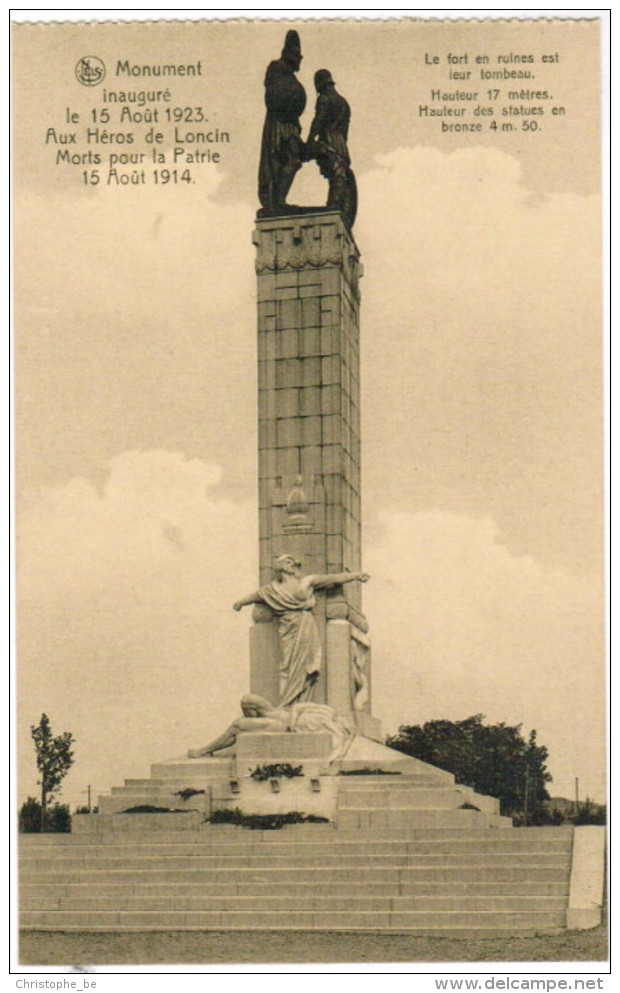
{"points": [[327, 143], [281, 148], [260, 716], [291, 597], [359, 680]]}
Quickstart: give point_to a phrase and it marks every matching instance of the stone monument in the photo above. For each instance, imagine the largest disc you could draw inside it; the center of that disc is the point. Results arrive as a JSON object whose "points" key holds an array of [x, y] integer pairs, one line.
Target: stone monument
{"points": [[310, 699], [307, 721], [308, 271], [307, 724]]}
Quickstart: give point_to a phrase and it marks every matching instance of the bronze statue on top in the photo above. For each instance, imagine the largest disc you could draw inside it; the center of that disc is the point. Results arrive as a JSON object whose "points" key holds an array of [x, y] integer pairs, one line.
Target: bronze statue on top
{"points": [[327, 143], [282, 147]]}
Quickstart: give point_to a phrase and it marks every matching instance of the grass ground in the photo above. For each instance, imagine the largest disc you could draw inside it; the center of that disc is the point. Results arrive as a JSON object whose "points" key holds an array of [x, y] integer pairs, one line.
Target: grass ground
{"points": [[217, 947]]}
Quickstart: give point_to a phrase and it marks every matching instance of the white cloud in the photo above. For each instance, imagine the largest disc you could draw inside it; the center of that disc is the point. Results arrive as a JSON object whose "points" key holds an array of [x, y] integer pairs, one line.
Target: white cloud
{"points": [[135, 318], [128, 640], [169, 252], [480, 339], [460, 626], [127, 636], [463, 222], [481, 352]]}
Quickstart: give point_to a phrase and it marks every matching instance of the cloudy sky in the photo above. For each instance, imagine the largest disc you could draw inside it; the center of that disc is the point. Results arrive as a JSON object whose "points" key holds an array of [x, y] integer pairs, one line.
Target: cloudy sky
{"points": [[481, 372]]}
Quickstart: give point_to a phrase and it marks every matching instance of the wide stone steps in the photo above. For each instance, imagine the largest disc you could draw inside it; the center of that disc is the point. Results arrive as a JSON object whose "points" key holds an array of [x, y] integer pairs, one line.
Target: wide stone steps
{"points": [[218, 796], [266, 860], [300, 878], [153, 860], [87, 829], [432, 797], [214, 840], [121, 799], [265, 875], [410, 921], [395, 781], [83, 854], [312, 900], [303, 890], [414, 791], [357, 782], [373, 784], [503, 843], [393, 818]]}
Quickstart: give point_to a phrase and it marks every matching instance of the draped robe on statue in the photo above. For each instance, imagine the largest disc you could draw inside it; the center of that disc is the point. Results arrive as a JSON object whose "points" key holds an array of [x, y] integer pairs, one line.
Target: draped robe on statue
{"points": [[320, 717], [299, 636]]}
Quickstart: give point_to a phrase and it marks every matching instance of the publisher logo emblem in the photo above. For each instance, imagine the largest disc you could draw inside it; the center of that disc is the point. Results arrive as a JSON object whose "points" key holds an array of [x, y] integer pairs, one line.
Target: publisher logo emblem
{"points": [[90, 71]]}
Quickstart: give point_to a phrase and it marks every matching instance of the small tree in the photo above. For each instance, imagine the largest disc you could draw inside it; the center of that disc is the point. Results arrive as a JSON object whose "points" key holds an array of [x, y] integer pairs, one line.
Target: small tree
{"points": [[589, 812], [54, 759], [30, 816], [57, 817], [494, 759]]}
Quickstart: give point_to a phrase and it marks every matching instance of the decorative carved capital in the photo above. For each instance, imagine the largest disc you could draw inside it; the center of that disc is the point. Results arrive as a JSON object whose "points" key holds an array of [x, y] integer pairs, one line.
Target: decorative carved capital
{"points": [[337, 610], [340, 610], [313, 240]]}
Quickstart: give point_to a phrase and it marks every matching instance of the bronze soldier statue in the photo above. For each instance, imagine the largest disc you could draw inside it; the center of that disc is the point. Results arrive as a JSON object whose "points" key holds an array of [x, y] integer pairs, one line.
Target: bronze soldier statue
{"points": [[281, 149], [327, 143]]}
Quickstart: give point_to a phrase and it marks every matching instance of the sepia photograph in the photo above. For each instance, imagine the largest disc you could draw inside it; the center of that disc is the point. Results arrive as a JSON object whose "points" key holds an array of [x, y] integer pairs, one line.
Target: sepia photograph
{"points": [[309, 472]]}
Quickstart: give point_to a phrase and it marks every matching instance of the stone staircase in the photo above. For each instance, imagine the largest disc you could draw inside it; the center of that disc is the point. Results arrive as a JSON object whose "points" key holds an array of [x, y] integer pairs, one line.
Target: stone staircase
{"points": [[440, 881], [405, 849], [414, 801], [409, 793]]}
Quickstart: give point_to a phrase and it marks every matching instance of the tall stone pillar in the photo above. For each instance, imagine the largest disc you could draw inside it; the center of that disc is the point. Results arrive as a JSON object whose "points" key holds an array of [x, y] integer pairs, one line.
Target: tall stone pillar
{"points": [[308, 272]]}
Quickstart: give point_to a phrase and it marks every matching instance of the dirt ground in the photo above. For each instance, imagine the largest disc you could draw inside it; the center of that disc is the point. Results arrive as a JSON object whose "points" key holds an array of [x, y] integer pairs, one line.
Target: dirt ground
{"points": [[216, 947]]}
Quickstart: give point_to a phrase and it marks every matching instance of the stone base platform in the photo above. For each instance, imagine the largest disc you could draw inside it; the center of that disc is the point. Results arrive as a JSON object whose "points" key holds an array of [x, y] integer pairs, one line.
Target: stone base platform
{"points": [[397, 789], [405, 849]]}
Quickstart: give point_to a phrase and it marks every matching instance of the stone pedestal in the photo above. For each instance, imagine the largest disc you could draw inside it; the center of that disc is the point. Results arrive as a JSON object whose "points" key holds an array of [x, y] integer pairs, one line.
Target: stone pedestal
{"points": [[309, 749], [265, 656], [308, 272], [313, 791]]}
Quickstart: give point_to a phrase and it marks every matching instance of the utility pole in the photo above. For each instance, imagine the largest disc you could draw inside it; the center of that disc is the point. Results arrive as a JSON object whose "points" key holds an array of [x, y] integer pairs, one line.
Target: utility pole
{"points": [[577, 792], [88, 801], [527, 794]]}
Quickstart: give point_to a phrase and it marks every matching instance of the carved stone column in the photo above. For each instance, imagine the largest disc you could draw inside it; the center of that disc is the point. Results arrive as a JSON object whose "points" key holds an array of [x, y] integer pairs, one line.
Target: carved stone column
{"points": [[308, 272]]}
